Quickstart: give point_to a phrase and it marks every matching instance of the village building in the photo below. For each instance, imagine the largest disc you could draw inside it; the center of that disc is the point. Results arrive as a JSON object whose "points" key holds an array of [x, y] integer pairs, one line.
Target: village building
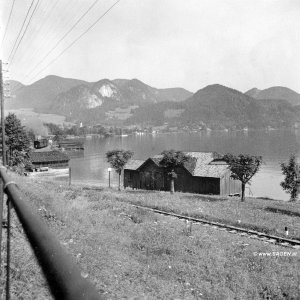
{"points": [[52, 159], [203, 173]]}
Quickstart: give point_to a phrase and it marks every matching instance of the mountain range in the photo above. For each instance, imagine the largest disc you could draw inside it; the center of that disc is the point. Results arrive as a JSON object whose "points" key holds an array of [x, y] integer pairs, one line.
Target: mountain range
{"points": [[132, 102], [41, 93], [219, 107], [53, 91]]}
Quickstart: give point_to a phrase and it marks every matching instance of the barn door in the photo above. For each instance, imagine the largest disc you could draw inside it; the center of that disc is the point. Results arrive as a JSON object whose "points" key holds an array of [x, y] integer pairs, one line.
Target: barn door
{"points": [[142, 181], [148, 181], [158, 181], [179, 181]]}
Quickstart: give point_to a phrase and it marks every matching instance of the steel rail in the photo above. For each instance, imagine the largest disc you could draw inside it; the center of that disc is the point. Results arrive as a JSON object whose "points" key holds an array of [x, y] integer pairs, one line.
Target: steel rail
{"points": [[222, 225], [62, 274]]}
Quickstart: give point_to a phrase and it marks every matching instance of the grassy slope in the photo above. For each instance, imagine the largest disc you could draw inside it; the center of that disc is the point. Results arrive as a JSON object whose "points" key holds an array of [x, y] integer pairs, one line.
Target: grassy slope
{"points": [[256, 214], [129, 253]]}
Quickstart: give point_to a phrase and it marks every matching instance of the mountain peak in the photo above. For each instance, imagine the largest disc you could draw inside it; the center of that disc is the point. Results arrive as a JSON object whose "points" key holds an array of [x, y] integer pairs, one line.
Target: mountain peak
{"points": [[276, 93], [280, 89], [218, 89], [253, 92], [255, 89], [14, 84], [52, 78], [215, 86], [137, 83]]}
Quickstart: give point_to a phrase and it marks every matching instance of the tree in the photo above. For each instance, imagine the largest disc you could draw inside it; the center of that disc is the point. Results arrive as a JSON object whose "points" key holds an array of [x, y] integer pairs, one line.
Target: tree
{"points": [[243, 168], [16, 135], [118, 159], [17, 142], [291, 183], [171, 160], [55, 130], [19, 162]]}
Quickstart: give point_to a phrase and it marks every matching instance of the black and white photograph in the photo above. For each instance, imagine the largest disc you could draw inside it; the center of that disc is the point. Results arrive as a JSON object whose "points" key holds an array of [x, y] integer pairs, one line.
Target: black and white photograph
{"points": [[150, 149]]}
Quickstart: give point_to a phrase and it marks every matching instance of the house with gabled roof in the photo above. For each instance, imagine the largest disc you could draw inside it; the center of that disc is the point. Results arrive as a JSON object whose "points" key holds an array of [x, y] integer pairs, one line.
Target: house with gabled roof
{"points": [[203, 173]]}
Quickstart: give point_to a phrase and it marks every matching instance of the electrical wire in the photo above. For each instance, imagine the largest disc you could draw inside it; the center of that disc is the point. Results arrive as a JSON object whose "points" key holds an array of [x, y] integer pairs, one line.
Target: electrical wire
{"points": [[45, 38], [29, 55], [10, 14], [63, 37], [21, 29], [79, 37], [20, 41]]}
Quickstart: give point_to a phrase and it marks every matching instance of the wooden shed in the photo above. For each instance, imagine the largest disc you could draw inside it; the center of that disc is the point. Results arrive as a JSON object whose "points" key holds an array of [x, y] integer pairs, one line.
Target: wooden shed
{"points": [[53, 159], [204, 173]]}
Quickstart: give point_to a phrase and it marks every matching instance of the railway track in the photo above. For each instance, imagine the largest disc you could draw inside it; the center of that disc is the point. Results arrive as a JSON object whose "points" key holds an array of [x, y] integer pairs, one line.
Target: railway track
{"points": [[267, 238]]}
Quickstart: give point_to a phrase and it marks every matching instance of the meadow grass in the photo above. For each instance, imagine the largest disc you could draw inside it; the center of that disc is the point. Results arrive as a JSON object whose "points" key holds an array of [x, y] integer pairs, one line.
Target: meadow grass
{"points": [[130, 253], [269, 216]]}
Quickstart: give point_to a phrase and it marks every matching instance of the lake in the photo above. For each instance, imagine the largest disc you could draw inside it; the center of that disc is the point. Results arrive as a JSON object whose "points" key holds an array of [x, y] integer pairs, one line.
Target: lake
{"points": [[274, 146]]}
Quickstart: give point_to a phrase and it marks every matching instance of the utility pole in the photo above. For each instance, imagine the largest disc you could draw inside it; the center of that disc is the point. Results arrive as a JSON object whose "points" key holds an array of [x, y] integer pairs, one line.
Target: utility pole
{"points": [[3, 161], [2, 116]]}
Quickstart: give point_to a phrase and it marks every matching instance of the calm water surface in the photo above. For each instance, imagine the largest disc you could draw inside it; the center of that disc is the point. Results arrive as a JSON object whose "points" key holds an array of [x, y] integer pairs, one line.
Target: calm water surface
{"points": [[275, 147]]}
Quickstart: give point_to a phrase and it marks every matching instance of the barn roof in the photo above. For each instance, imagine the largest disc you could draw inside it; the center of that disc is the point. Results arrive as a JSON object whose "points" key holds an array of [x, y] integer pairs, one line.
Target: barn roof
{"points": [[157, 158], [133, 164], [210, 170], [208, 164], [202, 164], [48, 156]]}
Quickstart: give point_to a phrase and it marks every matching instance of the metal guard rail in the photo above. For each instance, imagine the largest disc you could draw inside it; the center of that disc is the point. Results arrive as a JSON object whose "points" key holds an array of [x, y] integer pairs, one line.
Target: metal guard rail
{"points": [[62, 274]]}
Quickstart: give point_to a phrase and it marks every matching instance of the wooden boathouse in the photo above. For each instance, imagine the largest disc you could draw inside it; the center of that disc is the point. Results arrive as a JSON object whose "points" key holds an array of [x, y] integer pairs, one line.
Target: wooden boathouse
{"points": [[71, 145], [53, 159], [204, 173]]}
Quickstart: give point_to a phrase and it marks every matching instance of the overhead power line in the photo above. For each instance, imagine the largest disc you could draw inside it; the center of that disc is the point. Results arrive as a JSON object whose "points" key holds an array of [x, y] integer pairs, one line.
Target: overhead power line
{"points": [[78, 38], [20, 41], [13, 48], [30, 55], [62, 38], [42, 34], [10, 13]]}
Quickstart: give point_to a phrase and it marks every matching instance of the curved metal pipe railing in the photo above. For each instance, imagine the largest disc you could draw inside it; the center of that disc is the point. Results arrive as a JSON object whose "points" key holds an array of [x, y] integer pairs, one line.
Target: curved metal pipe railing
{"points": [[62, 273]]}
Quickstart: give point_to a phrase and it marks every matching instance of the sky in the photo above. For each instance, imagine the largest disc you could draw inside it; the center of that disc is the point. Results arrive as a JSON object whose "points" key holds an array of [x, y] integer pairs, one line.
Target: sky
{"points": [[165, 43]]}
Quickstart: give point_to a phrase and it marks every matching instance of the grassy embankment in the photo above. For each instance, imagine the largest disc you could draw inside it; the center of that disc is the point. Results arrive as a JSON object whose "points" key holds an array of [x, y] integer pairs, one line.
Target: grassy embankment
{"points": [[269, 216], [131, 253]]}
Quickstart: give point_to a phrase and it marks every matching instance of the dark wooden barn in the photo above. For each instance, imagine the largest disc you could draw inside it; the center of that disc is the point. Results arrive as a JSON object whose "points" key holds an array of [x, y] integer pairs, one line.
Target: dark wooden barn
{"points": [[53, 159], [204, 173]]}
